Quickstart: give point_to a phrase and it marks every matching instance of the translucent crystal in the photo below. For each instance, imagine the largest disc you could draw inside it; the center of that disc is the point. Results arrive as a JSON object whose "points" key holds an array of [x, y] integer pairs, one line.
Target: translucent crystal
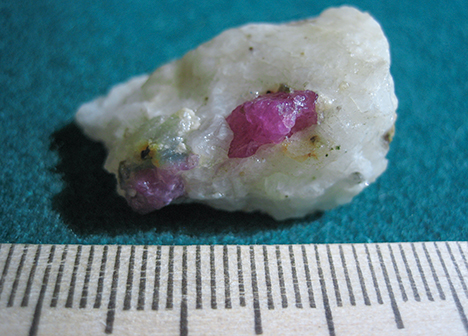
{"points": [[150, 189], [269, 118]]}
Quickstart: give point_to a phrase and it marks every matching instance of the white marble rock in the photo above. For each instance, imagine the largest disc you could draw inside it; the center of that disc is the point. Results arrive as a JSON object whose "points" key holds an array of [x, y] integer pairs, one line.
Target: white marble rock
{"points": [[171, 125]]}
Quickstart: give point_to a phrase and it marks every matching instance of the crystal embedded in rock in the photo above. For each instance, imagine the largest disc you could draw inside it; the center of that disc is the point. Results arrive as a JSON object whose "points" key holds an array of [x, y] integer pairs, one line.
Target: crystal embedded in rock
{"points": [[150, 189], [269, 118], [181, 135], [147, 187]]}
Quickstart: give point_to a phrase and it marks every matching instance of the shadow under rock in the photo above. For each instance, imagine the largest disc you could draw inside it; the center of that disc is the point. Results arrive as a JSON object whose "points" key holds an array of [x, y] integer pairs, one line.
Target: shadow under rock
{"points": [[89, 204]]}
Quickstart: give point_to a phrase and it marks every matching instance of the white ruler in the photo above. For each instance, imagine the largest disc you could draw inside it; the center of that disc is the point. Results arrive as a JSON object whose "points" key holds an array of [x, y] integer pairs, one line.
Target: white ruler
{"points": [[361, 289]]}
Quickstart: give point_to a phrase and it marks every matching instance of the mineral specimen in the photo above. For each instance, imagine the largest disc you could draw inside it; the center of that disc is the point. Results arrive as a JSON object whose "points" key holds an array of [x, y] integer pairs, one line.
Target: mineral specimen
{"points": [[285, 119]]}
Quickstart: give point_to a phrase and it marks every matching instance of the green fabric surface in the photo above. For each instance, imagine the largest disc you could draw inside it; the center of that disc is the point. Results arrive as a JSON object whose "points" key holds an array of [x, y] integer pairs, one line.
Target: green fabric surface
{"points": [[57, 54]]}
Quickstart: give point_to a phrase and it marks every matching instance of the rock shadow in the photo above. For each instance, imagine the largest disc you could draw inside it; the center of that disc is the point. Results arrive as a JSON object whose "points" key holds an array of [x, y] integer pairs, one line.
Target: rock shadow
{"points": [[89, 205]]}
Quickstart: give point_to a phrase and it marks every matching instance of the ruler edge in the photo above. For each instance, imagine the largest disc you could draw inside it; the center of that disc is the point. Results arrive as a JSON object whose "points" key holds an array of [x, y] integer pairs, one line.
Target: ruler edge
{"points": [[244, 245], [217, 244]]}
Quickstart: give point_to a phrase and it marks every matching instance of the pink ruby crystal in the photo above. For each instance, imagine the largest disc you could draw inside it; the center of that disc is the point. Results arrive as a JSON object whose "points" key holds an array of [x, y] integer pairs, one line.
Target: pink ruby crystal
{"points": [[269, 119], [151, 189], [148, 188]]}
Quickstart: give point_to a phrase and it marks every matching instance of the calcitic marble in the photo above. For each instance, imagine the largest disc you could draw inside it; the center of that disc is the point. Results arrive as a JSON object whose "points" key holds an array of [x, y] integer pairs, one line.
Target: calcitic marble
{"points": [[286, 119]]}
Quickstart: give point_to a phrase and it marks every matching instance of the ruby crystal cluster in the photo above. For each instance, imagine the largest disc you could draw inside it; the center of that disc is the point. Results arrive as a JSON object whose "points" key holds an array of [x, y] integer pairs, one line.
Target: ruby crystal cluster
{"points": [[269, 119]]}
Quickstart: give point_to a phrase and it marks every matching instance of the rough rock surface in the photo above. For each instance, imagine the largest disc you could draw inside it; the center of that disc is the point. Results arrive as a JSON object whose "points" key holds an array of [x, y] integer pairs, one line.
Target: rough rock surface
{"points": [[196, 129]]}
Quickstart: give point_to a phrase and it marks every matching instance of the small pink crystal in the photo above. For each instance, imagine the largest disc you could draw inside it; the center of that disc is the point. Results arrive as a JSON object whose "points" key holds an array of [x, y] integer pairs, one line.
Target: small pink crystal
{"points": [[270, 118], [151, 189]]}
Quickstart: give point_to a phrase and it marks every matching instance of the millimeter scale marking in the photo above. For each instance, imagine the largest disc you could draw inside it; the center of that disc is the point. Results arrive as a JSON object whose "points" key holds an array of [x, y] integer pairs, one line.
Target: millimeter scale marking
{"points": [[329, 289]]}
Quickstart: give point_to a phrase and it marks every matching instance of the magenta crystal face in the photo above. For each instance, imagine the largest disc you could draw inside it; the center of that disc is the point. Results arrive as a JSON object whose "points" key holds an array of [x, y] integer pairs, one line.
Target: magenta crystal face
{"points": [[151, 188], [269, 119]]}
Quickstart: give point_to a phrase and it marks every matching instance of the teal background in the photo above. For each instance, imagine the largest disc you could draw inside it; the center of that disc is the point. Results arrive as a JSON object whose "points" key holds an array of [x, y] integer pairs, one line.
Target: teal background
{"points": [[57, 54]]}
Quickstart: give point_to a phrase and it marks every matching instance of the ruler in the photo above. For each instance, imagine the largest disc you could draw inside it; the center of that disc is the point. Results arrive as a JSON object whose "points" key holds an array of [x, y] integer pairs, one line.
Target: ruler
{"points": [[332, 289]]}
